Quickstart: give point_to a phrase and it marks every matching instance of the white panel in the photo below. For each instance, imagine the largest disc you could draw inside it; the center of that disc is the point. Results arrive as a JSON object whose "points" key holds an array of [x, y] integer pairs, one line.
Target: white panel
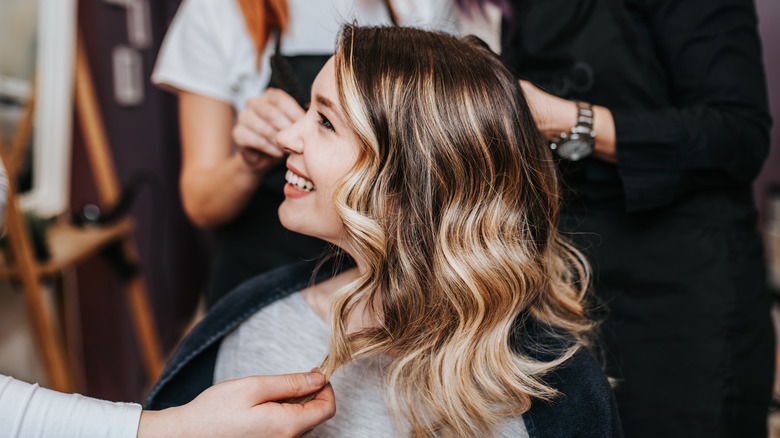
{"points": [[54, 108], [129, 78]]}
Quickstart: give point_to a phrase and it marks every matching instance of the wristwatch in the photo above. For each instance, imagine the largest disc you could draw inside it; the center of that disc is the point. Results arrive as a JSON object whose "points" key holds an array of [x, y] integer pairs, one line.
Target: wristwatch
{"points": [[577, 143]]}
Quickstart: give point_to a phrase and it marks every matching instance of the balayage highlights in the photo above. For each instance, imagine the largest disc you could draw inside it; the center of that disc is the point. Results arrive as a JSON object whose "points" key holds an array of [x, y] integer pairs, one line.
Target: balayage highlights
{"points": [[453, 207]]}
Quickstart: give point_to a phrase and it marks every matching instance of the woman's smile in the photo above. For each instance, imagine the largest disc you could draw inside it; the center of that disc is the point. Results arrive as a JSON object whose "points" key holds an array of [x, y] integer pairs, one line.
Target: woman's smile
{"points": [[297, 185]]}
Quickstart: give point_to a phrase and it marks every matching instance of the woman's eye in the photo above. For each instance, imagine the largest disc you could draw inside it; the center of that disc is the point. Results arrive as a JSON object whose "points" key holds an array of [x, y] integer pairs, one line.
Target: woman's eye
{"points": [[326, 123]]}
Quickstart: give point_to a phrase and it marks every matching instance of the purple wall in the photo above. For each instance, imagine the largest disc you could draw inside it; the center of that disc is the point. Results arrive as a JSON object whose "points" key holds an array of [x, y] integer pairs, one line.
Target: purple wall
{"points": [[769, 18], [144, 141]]}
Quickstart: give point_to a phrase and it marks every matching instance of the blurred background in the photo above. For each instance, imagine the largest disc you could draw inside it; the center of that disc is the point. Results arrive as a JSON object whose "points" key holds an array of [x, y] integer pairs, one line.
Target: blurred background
{"points": [[121, 39], [55, 177]]}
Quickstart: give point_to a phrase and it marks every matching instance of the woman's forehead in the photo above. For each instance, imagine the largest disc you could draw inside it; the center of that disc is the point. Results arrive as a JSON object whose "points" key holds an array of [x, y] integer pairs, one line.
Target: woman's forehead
{"points": [[325, 82]]}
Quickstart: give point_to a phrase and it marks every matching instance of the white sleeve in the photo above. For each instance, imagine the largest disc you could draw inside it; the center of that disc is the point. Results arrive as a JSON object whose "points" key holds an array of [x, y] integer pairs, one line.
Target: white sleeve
{"points": [[3, 192], [438, 15], [193, 55], [31, 411]]}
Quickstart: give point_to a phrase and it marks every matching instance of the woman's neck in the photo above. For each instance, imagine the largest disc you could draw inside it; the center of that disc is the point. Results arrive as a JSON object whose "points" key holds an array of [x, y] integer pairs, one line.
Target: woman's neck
{"points": [[319, 297]]}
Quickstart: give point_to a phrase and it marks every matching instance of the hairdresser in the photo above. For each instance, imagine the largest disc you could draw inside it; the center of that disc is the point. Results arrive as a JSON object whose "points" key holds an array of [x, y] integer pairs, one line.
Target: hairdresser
{"points": [[657, 111], [217, 57], [234, 408]]}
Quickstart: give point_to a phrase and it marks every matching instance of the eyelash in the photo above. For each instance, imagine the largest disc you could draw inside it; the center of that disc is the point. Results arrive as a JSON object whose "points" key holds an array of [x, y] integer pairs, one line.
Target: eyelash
{"points": [[326, 123]]}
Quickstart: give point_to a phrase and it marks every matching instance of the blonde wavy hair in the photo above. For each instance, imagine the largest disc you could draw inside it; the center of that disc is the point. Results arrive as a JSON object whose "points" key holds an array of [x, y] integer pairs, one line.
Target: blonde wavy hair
{"points": [[453, 205]]}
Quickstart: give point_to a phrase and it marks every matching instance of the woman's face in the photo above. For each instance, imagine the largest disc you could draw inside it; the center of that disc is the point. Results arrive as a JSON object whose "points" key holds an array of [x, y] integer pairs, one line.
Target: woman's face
{"points": [[322, 148]]}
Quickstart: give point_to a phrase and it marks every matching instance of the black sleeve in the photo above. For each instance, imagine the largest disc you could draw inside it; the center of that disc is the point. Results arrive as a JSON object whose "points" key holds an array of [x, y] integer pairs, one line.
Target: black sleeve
{"points": [[716, 132], [585, 405]]}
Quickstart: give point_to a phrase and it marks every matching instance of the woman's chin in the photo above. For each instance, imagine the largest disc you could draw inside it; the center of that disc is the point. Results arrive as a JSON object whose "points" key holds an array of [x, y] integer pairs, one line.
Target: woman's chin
{"points": [[288, 218], [293, 220], [300, 217]]}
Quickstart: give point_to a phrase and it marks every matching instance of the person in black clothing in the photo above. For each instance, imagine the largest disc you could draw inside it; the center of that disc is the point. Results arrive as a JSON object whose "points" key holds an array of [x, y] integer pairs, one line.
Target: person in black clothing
{"points": [[657, 111]]}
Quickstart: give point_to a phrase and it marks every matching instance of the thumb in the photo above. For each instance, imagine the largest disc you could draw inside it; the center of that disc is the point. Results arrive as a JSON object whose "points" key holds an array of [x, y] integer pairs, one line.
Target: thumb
{"points": [[284, 386]]}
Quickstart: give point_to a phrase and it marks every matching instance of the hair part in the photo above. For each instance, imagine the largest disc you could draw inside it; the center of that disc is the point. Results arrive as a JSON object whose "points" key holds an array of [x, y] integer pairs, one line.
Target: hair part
{"points": [[453, 205]]}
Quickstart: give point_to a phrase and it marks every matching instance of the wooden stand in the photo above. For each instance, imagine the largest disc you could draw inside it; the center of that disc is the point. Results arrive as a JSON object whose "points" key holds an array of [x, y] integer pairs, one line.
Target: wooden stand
{"points": [[71, 245]]}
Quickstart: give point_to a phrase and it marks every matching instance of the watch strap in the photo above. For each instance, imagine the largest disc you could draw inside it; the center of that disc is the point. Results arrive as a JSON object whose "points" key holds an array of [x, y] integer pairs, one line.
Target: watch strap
{"points": [[581, 131], [584, 118]]}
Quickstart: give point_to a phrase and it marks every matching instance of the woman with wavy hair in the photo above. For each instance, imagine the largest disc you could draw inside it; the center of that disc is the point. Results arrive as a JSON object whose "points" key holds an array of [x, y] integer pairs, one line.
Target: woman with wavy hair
{"points": [[230, 63], [456, 309]]}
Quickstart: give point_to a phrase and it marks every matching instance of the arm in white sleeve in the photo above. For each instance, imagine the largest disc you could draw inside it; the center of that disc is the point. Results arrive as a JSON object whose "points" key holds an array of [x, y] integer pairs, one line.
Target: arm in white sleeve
{"points": [[27, 410], [3, 191]]}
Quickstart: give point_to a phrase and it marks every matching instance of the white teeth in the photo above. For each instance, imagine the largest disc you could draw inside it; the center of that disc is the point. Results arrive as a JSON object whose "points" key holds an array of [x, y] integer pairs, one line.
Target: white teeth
{"points": [[299, 182]]}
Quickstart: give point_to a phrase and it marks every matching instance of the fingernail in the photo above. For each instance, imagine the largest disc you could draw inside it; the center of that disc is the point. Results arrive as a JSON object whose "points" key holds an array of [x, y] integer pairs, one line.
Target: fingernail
{"points": [[315, 379]]}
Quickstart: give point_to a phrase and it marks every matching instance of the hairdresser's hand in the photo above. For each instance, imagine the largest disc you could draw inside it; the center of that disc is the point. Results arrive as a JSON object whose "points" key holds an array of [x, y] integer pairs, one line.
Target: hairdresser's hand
{"points": [[257, 126], [555, 115], [552, 114], [245, 408]]}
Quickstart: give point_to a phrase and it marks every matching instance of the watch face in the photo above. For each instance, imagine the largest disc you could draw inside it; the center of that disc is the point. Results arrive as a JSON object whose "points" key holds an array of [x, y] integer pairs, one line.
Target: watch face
{"points": [[575, 149]]}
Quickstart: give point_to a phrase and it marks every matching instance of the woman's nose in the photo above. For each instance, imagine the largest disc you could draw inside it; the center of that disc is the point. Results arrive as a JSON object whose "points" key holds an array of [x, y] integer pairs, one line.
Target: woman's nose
{"points": [[289, 138]]}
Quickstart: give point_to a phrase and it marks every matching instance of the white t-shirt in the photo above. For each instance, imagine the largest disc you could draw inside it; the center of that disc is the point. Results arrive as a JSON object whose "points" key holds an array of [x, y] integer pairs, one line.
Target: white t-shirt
{"points": [[208, 50], [31, 411]]}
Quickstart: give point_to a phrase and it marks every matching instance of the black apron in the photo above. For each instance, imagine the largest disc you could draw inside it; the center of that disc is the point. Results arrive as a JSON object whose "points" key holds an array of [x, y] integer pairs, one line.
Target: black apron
{"points": [[256, 242]]}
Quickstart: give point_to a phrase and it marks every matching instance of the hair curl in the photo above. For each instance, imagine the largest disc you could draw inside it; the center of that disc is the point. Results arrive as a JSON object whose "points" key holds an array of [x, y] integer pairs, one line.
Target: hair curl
{"points": [[453, 206]]}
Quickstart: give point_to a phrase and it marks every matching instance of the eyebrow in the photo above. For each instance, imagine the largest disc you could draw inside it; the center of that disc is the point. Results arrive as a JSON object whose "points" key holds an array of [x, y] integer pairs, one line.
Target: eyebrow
{"points": [[327, 103], [324, 101]]}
